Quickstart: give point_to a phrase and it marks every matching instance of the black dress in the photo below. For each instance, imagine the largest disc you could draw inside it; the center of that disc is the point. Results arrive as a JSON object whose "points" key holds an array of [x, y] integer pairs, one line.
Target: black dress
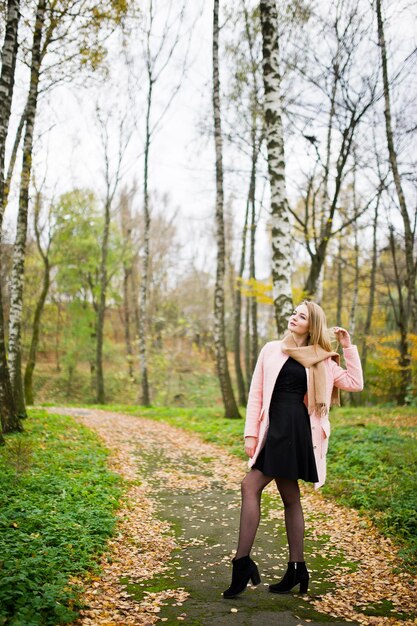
{"points": [[288, 450]]}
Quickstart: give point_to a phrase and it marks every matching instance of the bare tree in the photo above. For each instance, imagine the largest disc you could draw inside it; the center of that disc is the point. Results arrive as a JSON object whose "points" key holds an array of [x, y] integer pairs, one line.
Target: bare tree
{"points": [[157, 60], [229, 402], [112, 176], [280, 215], [410, 306], [347, 90]]}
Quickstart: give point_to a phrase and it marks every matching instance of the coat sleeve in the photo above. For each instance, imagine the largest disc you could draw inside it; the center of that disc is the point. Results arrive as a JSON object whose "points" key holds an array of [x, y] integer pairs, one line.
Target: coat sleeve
{"points": [[350, 379], [254, 407]]}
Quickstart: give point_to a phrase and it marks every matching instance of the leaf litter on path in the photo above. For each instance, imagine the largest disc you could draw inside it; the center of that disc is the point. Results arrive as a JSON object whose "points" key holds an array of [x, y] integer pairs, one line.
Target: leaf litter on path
{"points": [[142, 545]]}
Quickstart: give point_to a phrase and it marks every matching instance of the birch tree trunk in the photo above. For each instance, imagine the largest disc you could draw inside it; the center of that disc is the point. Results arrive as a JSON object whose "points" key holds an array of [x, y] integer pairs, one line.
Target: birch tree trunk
{"points": [[230, 406], [31, 363], [409, 232], [7, 76], [8, 415], [13, 155], [238, 315], [280, 216], [16, 286], [248, 369], [252, 265]]}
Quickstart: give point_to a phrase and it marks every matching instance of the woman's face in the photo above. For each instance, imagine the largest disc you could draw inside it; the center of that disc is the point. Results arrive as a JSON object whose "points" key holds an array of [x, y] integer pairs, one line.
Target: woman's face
{"points": [[299, 320]]}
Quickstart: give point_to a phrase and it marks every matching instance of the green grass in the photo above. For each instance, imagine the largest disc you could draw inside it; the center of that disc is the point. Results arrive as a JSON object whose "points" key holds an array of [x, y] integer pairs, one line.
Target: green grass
{"points": [[57, 503], [372, 460], [372, 467]]}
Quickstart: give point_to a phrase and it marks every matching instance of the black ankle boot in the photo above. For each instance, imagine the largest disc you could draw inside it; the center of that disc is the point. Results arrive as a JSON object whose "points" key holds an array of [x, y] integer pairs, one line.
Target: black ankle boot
{"points": [[296, 573], [243, 570]]}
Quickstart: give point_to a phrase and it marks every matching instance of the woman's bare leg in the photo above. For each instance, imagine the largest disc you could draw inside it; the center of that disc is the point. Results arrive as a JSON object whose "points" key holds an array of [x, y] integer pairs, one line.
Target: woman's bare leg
{"points": [[294, 518], [252, 486]]}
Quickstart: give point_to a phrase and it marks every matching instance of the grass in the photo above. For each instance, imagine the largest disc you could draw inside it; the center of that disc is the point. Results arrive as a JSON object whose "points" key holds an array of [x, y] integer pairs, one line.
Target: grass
{"points": [[57, 504], [372, 460], [54, 482]]}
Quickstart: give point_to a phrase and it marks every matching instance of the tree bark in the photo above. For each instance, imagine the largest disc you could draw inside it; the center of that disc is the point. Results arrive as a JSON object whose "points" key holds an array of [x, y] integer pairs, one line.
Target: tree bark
{"points": [[339, 299], [8, 415], [402, 319], [409, 235], [101, 305], [13, 156], [126, 218], [31, 363], [248, 368], [7, 77], [229, 402], [252, 265], [144, 279], [372, 286], [16, 287], [280, 216], [238, 315], [354, 303]]}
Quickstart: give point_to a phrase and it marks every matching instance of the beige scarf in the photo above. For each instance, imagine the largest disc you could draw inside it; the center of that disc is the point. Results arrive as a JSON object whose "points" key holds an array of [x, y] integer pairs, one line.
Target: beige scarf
{"points": [[313, 357]]}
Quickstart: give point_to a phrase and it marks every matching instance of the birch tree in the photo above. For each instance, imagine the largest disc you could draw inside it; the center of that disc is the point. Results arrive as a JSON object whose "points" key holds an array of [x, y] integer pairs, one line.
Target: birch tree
{"points": [[53, 23], [16, 290], [280, 215], [230, 406], [9, 418]]}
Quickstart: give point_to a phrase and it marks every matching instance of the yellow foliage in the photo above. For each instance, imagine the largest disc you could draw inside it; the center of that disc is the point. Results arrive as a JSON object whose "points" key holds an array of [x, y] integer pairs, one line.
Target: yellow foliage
{"points": [[384, 368], [262, 291], [252, 288]]}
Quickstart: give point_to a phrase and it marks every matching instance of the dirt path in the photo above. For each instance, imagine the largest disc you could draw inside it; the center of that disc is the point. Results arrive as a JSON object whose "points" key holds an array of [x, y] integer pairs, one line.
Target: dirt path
{"points": [[170, 558]]}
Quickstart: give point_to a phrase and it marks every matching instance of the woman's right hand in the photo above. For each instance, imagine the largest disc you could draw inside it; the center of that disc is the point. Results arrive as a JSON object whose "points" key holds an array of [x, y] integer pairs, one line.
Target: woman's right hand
{"points": [[250, 445]]}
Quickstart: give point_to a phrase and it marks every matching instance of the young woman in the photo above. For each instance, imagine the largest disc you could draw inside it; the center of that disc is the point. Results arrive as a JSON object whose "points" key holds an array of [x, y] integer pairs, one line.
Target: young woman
{"points": [[286, 433]]}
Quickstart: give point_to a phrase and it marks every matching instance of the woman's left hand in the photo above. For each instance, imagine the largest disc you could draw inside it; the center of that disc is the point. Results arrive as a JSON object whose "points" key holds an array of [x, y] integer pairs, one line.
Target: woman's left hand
{"points": [[342, 336]]}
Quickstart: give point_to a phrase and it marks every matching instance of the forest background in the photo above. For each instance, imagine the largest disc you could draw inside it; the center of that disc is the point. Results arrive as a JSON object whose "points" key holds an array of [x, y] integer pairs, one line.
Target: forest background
{"points": [[174, 177], [112, 251]]}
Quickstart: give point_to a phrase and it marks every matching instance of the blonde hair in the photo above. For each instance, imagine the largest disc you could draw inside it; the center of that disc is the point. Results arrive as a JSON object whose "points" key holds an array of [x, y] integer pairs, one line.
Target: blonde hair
{"points": [[318, 331]]}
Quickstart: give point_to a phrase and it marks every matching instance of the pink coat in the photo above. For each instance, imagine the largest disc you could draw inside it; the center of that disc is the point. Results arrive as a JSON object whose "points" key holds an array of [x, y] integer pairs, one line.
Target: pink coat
{"points": [[269, 364]]}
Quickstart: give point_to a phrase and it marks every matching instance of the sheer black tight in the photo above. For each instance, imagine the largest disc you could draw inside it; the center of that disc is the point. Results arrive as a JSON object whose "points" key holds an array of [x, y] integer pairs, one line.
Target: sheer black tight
{"points": [[252, 486]]}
